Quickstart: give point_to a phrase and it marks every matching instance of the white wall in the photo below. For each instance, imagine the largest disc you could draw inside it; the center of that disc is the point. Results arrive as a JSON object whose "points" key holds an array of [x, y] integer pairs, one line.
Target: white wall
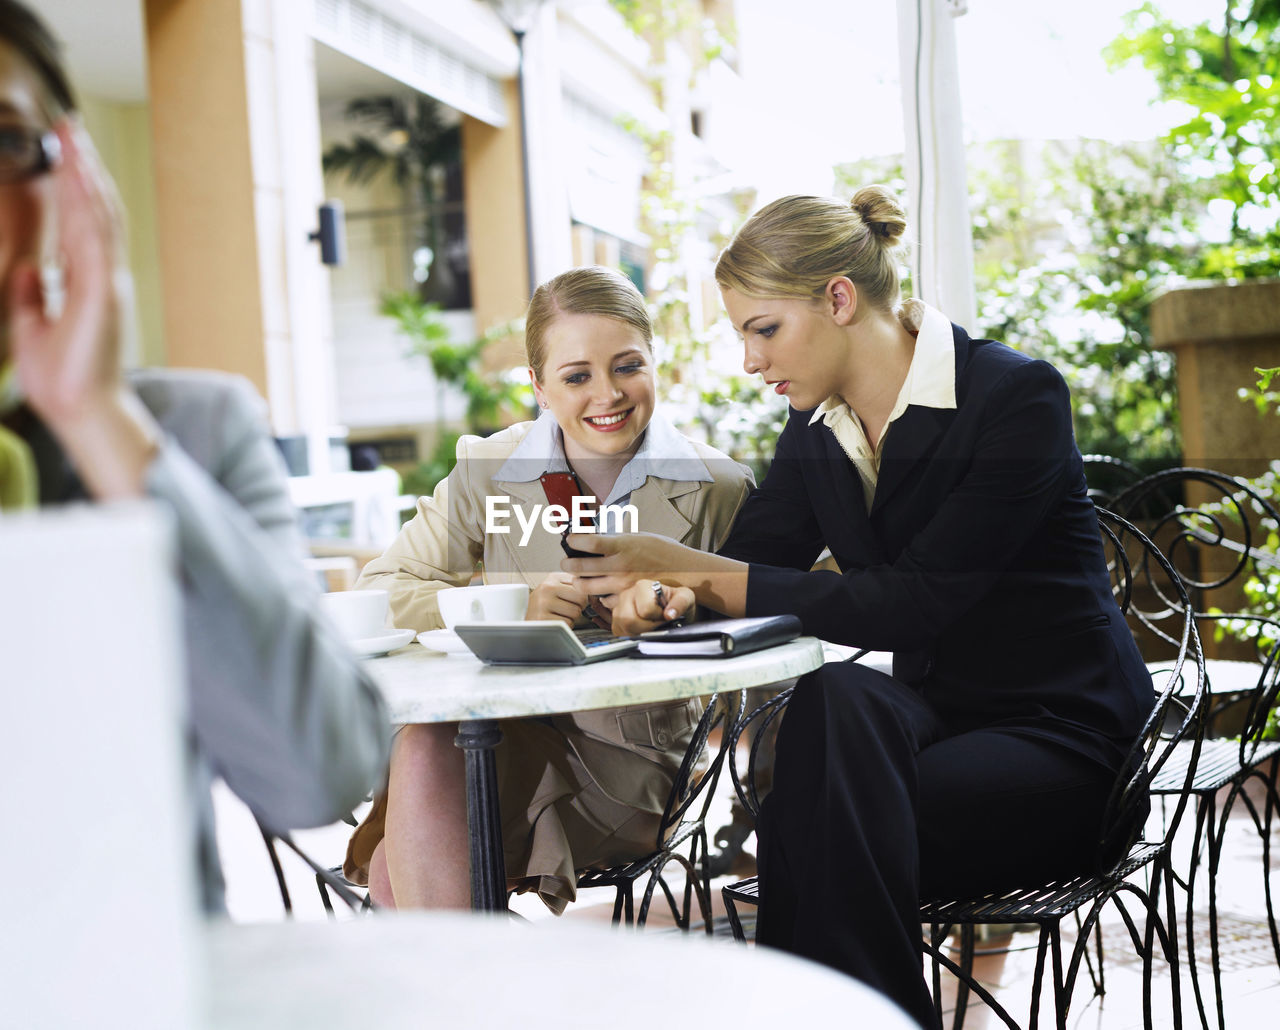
{"points": [[376, 384]]}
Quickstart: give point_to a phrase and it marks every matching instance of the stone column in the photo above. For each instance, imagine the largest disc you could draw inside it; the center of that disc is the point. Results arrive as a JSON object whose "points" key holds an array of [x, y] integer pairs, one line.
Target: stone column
{"points": [[213, 310], [493, 198], [236, 145]]}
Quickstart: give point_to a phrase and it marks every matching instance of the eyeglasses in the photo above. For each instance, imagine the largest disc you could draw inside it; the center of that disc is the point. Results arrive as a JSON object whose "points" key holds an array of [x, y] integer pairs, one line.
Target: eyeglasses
{"points": [[26, 153]]}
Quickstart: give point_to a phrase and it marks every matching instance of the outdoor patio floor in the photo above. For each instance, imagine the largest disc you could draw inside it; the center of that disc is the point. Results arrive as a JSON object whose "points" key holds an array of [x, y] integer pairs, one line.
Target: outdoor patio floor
{"points": [[1251, 978]]}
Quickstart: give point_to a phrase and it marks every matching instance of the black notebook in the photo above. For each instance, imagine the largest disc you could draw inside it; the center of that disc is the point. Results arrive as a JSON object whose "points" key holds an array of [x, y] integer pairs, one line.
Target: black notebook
{"points": [[721, 638]]}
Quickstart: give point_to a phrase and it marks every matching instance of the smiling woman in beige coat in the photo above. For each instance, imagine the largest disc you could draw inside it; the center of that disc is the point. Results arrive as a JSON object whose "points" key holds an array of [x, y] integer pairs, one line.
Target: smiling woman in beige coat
{"points": [[576, 791]]}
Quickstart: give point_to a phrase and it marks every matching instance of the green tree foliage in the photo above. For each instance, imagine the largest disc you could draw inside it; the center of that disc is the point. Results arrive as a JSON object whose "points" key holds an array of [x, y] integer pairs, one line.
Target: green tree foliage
{"points": [[494, 398], [668, 212], [1226, 74], [1073, 240], [728, 408]]}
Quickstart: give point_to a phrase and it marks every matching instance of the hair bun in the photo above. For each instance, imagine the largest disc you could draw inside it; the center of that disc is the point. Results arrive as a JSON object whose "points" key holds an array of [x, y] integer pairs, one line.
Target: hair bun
{"points": [[880, 212]]}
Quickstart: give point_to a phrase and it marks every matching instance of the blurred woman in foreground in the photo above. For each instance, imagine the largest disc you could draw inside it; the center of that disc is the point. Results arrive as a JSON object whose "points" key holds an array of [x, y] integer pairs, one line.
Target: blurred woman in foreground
{"points": [[277, 705]]}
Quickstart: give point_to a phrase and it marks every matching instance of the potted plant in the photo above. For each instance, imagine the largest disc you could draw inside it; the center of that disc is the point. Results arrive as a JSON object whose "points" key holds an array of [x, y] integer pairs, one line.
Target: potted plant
{"points": [[494, 397]]}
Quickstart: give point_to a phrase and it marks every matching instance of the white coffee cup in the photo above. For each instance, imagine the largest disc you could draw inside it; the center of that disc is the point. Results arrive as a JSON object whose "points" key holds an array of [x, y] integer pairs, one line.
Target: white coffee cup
{"points": [[493, 602], [357, 614]]}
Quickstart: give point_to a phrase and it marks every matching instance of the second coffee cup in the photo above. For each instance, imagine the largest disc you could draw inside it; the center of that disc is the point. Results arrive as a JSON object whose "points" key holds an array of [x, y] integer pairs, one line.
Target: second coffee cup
{"points": [[491, 602], [357, 614]]}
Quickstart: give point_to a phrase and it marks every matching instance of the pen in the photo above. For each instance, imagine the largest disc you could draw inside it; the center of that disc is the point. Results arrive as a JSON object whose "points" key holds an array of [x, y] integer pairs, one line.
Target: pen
{"points": [[660, 596]]}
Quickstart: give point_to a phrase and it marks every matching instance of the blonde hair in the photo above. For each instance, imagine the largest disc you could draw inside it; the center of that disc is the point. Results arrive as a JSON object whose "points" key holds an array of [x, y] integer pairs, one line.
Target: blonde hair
{"points": [[592, 290], [794, 246]]}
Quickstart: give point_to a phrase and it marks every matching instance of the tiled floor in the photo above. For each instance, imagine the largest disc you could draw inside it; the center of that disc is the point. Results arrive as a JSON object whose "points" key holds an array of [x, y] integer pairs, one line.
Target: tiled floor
{"points": [[1251, 979]]}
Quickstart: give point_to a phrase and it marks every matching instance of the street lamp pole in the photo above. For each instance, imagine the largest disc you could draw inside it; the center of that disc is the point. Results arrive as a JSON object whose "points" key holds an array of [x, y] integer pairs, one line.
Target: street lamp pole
{"points": [[517, 16], [524, 162]]}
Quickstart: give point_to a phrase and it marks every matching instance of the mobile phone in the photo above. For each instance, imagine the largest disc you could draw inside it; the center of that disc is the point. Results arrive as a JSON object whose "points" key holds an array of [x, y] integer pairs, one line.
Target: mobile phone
{"points": [[561, 488]]}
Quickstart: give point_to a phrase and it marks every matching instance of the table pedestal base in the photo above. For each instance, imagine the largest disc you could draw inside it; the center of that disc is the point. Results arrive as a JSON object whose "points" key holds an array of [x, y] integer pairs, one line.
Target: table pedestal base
{"points": [[478, 738]]}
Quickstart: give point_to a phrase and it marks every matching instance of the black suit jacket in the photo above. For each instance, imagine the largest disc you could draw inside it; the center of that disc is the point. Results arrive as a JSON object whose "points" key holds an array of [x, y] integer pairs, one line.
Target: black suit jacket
{"points": [[979, 564]]}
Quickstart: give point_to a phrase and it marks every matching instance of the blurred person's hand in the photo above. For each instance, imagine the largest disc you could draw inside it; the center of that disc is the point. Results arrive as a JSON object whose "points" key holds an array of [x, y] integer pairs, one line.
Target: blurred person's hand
{"points": [[68, 362]]}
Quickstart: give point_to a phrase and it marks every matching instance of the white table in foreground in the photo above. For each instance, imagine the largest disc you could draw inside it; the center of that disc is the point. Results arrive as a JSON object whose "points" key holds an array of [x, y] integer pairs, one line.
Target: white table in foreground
{"points": [[456, 970], [424, 686], [421, 685]]}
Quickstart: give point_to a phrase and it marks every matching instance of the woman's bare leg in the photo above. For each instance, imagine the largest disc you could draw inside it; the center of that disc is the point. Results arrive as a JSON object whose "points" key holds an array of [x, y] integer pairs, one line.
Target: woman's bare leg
{"points": [[379, 882], [426, 846]]}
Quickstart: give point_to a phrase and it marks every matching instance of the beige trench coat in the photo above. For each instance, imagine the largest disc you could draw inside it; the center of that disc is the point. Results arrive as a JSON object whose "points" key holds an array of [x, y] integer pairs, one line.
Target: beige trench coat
{"points": [[631, 753]]}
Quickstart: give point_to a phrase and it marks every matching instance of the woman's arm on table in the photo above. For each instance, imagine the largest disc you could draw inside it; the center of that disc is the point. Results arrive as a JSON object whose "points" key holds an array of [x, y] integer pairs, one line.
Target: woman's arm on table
{"points": [[1018, 471], [772, 523], [444, 543], [629, 564]]}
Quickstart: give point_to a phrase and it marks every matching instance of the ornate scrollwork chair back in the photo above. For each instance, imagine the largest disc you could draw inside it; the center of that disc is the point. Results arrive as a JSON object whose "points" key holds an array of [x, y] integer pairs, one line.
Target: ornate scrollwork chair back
{"points": [[682, 830], [1221, 533]]}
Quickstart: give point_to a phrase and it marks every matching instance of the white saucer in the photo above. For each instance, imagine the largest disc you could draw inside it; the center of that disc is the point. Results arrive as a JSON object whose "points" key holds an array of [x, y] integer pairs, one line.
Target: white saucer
{"points": [[445, 640], [381, 644]]}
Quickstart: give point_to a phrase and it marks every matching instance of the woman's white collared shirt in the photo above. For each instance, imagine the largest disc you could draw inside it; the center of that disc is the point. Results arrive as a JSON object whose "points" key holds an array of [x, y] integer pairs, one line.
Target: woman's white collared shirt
{"points": [[930, 383], [664, 453]]}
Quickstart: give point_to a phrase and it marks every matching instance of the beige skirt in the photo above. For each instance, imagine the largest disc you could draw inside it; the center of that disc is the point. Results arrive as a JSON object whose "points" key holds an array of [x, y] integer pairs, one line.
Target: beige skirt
{"points": [[557, 818]]}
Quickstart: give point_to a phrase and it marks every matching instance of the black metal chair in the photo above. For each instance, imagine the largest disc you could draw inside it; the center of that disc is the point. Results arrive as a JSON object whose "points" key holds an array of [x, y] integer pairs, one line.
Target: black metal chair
{"points": [[1107, 476], [682, 831], [761, 724], [326, 879], [1176, 718], [682, 826], [1214, 529]]}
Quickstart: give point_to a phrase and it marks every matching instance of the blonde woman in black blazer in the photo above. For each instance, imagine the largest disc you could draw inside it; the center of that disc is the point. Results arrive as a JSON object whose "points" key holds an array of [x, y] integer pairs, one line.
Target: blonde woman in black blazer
{"points": [[942, 473]]}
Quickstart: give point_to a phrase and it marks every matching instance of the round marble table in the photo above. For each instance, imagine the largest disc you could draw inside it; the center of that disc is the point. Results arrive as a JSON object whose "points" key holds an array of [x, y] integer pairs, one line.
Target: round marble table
{"points": [[422, 686], [452, 970]]}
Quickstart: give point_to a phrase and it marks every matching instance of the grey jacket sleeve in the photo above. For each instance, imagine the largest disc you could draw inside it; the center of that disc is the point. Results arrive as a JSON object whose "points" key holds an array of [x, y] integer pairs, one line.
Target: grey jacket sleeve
{"points": [[279, 707]]}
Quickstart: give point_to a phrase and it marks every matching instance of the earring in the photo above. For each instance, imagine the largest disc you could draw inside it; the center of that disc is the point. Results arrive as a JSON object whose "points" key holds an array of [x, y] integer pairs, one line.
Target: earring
{"points": [[542, 405]]}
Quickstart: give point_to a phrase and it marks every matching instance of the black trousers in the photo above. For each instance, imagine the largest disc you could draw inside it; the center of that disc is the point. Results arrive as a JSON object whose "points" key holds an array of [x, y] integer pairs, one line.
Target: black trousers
{"points": [[875, 804]]}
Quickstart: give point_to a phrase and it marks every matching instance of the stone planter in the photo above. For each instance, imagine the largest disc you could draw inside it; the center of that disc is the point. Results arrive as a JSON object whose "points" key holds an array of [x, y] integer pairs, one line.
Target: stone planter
{"points": [[1219, 333]]}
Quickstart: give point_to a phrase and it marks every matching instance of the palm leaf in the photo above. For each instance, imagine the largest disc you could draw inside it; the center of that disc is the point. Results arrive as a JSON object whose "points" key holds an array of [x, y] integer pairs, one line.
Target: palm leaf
{"points": [[360, 160]]}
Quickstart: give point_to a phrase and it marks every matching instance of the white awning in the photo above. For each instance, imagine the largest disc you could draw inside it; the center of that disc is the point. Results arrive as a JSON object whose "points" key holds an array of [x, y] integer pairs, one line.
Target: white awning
{"points": [[604, 172], [457, 52]]}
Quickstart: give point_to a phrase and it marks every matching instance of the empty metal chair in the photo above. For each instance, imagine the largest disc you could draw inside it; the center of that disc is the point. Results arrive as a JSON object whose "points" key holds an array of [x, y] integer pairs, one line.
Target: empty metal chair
{"points": [[1215, 530], [682, 832]]}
